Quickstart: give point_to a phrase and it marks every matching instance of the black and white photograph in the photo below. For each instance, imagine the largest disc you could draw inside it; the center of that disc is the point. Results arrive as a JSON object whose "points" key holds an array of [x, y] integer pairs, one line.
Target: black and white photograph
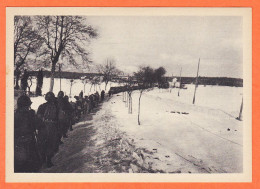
{"points": [[152, 93]]}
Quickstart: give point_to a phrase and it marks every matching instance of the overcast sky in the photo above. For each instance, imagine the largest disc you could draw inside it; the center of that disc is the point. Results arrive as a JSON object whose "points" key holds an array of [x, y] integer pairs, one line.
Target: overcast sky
{"points": [[172, 42]]}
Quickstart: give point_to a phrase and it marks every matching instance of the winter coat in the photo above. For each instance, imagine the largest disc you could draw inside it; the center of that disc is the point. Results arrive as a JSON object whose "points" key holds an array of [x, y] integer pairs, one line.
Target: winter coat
{"points": [[26, 157]]}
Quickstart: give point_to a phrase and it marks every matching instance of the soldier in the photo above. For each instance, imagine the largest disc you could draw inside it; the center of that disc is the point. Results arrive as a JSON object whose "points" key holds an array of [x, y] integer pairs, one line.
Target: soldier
{"points": [[86, 102], [69, 111], [81, 94], [74, 118], [78, 107], [94, 100], [102, 95], [63, 119], [91, 102], [26, 156], [81, 103], [48, 135], [97, 98]]}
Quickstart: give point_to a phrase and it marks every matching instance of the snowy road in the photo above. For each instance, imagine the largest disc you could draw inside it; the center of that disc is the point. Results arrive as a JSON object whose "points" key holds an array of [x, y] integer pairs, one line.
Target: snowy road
{"points": [[96, 145], [204, 140], [92, 147]]}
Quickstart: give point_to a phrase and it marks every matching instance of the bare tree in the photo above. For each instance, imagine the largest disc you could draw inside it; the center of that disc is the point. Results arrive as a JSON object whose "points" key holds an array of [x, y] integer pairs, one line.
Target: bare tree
{"points": [[94, 82], [26, 42], [108, 70], [129, 88], [72, 81], [84, 81], [145, 79], [66, 37]]}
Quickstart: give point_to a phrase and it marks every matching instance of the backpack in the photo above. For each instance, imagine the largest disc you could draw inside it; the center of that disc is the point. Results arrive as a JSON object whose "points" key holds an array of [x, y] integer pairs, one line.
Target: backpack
{"points": [[50, 112]]}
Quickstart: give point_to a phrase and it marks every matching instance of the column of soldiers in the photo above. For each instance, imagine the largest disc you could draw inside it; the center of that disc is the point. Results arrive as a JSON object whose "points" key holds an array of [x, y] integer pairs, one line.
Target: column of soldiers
{"points": [[37, 136]]}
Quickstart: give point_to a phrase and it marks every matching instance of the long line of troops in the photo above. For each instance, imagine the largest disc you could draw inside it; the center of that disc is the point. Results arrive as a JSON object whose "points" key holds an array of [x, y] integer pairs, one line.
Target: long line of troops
{"points": [[37, 136]]}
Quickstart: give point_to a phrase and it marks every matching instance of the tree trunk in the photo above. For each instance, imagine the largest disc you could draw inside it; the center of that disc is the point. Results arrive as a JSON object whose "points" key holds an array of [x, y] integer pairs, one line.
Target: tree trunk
{"points": [[60, 83], [70, 88], [17, 81], [17, 77], [139, 104], [106, 85], [126, 102], [130, 104], [29, 85], [52, 76], [131, 110]]}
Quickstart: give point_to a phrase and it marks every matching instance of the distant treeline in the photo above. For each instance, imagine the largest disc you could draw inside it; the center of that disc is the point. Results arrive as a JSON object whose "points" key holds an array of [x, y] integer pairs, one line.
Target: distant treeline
{"points": [[222, 81], [66, 75]]}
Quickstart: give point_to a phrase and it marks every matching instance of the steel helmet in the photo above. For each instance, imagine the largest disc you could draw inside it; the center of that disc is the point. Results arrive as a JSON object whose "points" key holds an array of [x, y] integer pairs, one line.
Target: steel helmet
{"points": [[49, 96], [23, 101], [61, 94], [66, 98]]}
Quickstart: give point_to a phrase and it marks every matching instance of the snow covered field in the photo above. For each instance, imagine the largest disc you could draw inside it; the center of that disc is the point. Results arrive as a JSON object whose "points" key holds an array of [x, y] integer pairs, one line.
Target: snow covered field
{"points": [[178, 137], [208, 136]]}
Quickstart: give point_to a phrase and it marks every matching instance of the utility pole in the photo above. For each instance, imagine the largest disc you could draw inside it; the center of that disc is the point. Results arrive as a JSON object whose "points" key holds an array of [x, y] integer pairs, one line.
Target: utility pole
{"points": [[196, 84], [180, 83], [241, 110]]}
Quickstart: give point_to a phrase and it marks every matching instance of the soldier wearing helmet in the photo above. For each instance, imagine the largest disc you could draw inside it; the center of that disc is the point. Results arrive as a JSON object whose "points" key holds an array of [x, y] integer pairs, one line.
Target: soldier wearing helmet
{"points": [[63, 116], [69, 112], [24, 102], [60, 94], [26, 158], [102, 95], [77, 108], [48, 134], [50, 97]]}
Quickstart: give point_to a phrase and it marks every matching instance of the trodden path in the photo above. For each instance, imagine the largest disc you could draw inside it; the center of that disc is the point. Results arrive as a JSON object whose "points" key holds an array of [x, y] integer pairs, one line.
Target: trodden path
{"points": [[92, 147], [78, 149], [96, 145]]}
